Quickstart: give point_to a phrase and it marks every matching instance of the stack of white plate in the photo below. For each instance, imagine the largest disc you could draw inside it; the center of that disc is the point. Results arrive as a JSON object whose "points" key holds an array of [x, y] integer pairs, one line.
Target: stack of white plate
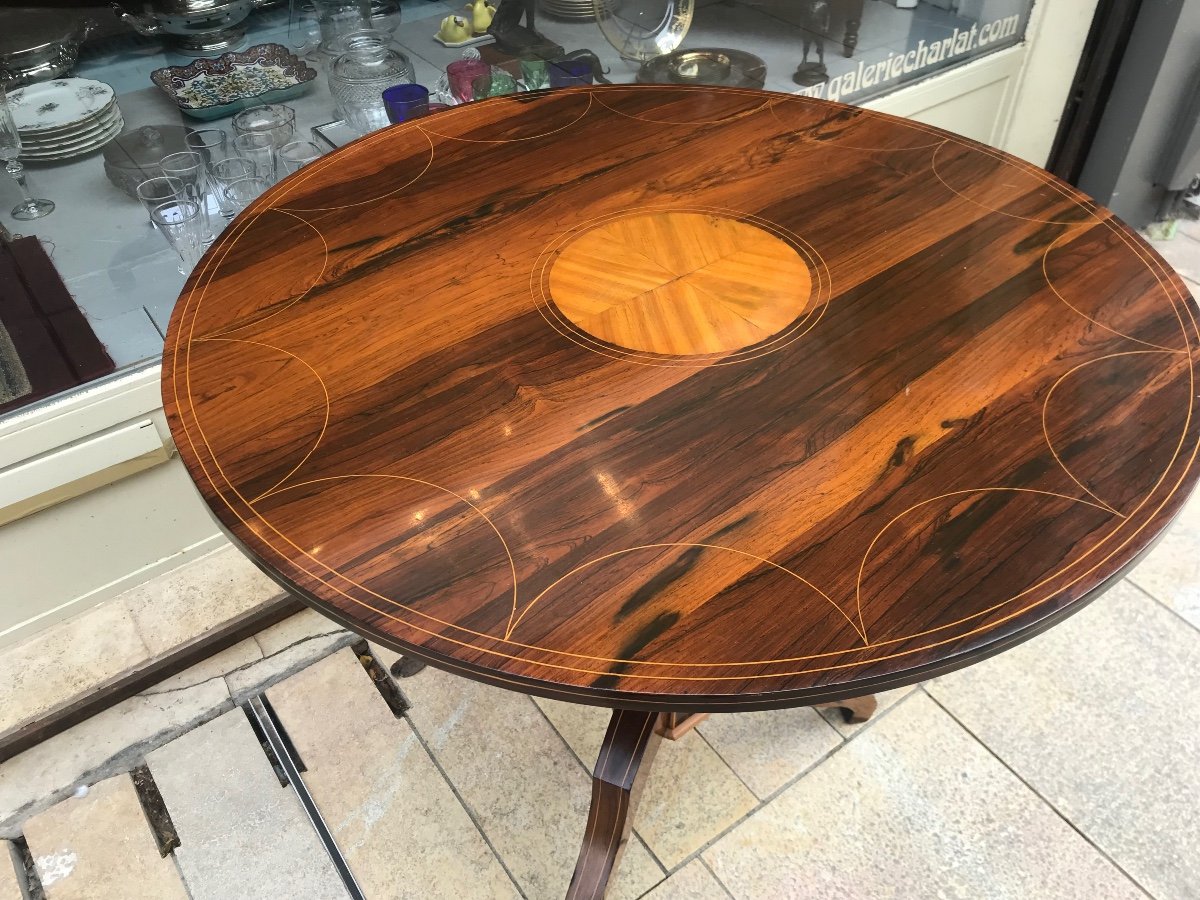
{"points": [[65, 117], [569, 9]]}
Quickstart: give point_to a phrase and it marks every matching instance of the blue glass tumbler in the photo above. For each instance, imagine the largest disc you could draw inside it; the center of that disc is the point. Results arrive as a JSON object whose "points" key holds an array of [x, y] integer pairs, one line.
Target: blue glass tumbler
{"points": [[406, 101], [570, 72]]}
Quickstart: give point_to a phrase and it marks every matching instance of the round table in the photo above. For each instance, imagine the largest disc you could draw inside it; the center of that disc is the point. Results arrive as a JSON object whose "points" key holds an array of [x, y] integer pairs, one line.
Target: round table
{"points": [[684, 400]]}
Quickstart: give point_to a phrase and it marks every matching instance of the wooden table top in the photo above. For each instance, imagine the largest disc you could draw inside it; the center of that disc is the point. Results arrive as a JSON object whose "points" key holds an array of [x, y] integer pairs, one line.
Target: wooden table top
{"points": [[685, 398]]}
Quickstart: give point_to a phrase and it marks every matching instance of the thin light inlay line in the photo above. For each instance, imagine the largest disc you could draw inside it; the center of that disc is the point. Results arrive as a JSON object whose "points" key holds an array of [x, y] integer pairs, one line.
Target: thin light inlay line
{"points": [[766, 104], [1046, 429], [324, 391], [1152, 264], [896, 518], [1108, 328], [325, 161], [294, 300], [512, 565], [684, 544], [798, 133], [955, 191]]}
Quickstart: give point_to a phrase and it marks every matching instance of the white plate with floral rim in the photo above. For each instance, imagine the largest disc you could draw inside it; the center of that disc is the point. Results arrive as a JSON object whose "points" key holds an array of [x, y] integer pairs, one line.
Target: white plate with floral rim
{"points": [[58, 103], [88, 122], [33, 140], [80, 148]]}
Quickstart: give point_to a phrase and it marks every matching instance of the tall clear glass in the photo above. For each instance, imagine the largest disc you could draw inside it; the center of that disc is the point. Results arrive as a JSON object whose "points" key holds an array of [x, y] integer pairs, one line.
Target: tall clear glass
{"points": [[180, 223], [224, 173], [297, 154], [160, 189], [189, 168], [259, 149]]}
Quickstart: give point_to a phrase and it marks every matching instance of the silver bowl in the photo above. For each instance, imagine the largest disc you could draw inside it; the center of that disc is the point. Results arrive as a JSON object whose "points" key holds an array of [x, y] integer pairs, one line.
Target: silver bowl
{"points": [[38, 48]]}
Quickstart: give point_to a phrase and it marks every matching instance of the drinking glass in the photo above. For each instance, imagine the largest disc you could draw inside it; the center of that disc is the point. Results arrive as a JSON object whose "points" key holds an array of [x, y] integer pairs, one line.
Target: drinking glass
{"points": [[534, 75], [158, 190], [406, 101], [224, 172], [241, 192], [570, 72], [210, 143], [179, 222], [496, 83], [189, 168], [462, 73], [10, 149], [274, 119], [297, 154], [259, 149]]}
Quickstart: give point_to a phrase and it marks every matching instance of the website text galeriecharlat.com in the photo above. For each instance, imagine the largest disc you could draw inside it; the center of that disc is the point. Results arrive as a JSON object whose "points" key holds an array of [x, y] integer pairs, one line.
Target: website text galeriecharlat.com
{"points": [[926, 55]]}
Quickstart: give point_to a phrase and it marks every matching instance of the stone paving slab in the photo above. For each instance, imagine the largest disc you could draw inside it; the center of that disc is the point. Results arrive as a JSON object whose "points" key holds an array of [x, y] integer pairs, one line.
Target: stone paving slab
{"points": [[912, 807], [189, 601], [241, 834], [288, 647], [690, 797], [10, 888], [67, 659], [109, 743], [523, 786], [692, 882], [1099, 716], [100, 847], [395, 819], [1171, 571], [768, 749]]}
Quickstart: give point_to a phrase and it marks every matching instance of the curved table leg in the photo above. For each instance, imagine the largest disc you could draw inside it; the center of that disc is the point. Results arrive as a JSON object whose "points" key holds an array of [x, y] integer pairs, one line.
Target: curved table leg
{"points": [[621, 769]]}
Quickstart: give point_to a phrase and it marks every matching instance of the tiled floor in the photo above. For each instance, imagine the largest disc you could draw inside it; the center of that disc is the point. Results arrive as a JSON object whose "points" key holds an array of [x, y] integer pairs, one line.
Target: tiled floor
{"points": [[1065, 768]]}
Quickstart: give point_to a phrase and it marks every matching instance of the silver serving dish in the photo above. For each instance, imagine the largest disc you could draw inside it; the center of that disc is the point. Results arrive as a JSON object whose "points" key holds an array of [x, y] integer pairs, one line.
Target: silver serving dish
{"points": [[37, 47], [194, 26], [713, 65]]}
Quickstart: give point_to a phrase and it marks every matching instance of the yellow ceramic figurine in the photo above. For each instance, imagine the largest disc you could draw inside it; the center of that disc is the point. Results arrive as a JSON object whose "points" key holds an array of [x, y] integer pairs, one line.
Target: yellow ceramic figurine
{"points": [[481, 15], [455, 30]]}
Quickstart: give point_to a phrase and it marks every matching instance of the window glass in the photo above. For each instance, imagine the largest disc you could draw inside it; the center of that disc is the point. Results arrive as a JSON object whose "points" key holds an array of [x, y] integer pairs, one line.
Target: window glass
{"points": [[120, 270]]}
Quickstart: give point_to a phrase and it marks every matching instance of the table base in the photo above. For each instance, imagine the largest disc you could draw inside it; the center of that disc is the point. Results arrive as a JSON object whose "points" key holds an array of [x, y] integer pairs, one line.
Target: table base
{"points": [[624, 761]]}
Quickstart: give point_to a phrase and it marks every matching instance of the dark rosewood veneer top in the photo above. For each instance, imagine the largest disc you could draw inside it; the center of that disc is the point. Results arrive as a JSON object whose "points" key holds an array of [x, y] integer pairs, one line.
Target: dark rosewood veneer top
{"points": [[685, 399]]}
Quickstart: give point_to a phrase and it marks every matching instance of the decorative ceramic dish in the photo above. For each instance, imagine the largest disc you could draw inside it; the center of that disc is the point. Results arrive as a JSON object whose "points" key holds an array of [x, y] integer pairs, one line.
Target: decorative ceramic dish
{"points": [[211, 88]]}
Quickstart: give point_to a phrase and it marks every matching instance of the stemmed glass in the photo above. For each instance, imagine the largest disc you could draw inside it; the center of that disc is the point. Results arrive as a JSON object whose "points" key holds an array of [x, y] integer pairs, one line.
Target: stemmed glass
{"points": [[10, 149]]}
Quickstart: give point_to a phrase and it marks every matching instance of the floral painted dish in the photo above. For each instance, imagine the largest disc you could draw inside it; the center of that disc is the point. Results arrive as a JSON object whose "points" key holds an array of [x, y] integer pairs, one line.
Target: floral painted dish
{"points": [[212, 88]]}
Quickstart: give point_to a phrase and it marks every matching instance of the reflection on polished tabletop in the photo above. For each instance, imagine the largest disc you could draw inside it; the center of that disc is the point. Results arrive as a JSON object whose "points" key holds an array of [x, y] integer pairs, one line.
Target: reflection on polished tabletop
{"points": [[685, 399]]}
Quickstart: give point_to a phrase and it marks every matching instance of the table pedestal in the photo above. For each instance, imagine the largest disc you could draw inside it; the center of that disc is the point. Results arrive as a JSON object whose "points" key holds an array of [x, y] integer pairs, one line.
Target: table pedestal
{"points": [[625, 758]]}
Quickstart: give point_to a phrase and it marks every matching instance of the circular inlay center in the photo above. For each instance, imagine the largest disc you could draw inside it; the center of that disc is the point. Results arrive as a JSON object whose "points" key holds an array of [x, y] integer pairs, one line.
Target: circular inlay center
{"points": [[680, 283]]}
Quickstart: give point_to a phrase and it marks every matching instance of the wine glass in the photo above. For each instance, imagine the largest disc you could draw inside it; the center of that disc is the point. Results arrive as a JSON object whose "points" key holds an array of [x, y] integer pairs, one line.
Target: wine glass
{"points": [[10, 149]]}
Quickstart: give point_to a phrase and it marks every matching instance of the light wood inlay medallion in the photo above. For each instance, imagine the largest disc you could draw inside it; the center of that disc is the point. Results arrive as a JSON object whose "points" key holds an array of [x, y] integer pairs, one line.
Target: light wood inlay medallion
{"points": [[685, 399], [680, 283]]}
